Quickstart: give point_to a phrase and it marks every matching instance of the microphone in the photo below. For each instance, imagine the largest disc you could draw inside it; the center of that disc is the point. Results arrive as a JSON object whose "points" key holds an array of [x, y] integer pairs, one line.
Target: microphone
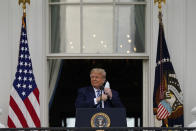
{"points": [[104, 85], [102, 88]]}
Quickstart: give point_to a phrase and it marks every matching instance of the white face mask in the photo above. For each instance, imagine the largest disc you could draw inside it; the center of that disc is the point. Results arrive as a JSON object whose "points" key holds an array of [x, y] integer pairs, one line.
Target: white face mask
{"points": [[107, 85]]}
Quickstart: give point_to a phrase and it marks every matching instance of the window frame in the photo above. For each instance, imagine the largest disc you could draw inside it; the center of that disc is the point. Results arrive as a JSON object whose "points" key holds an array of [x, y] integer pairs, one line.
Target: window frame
{"points": [[148, 119]]}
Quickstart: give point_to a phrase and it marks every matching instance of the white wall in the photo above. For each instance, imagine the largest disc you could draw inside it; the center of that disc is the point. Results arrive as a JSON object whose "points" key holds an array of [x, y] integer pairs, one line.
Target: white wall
{"points": [[6, 59], [179, 20], [190, 67]]}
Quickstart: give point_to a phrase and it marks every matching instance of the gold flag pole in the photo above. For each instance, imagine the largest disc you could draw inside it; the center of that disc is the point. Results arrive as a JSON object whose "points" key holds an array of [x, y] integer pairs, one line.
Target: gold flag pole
{"points": [[24, 4], [160, 8], [24, 9]]}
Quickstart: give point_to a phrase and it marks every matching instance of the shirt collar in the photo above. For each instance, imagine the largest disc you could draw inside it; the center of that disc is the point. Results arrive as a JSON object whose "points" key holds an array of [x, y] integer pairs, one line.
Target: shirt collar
{"points": [[95, 89]]}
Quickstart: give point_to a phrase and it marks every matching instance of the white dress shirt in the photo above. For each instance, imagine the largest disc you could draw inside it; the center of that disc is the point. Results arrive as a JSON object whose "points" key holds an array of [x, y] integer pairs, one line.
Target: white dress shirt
{"points": [[96, 93]]}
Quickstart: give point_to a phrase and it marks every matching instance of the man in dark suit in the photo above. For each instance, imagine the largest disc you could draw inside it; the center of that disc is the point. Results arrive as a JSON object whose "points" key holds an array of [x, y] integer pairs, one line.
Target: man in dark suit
{"points": [[89, 97]]}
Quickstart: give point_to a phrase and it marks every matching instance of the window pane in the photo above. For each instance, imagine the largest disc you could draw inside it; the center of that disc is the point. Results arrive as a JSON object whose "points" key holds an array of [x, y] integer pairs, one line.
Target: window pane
{"points": [[66, 36], [130, 0], [130, 35], [97, 1], [72, 29], [70, 1], [78, 1], [98, 29]]}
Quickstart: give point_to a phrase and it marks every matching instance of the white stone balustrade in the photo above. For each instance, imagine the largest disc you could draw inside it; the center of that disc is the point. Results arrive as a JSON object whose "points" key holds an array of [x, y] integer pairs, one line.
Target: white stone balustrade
{"points": [[193, 112], [1, 125]]}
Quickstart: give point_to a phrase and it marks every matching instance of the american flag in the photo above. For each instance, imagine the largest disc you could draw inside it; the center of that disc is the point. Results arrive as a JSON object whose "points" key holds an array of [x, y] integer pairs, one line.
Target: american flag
{"points": [[24, 105]]}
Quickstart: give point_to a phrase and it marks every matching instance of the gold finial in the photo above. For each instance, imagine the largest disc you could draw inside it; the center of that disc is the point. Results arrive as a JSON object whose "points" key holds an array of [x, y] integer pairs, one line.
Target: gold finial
{"points": [[159, 3], [24, 4]]}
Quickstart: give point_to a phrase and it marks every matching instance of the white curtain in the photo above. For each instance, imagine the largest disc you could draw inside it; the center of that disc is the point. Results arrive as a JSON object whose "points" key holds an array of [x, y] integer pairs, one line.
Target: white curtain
{"points": [[54, 65]]}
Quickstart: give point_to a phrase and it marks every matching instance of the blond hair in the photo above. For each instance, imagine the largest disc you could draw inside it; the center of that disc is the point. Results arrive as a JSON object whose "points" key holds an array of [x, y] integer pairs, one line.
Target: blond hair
{"points": [[99, 70]]}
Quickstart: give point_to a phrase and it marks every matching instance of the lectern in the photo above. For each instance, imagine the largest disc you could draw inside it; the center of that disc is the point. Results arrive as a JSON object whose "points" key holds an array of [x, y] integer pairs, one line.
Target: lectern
{"points": [[101, 117]]}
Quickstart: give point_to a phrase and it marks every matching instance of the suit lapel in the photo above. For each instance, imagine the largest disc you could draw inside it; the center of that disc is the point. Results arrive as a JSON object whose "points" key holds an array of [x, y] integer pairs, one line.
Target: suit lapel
{"points": [[91, 92], [91, 95]]}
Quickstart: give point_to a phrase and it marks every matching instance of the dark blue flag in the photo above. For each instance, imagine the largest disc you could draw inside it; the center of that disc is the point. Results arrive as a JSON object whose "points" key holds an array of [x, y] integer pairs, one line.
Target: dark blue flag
{"points": [[167, 97]]}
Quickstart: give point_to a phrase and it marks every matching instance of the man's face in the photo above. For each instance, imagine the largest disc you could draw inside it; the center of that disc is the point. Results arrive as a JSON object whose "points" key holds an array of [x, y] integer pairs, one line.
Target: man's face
{"points": [[97, 79]]}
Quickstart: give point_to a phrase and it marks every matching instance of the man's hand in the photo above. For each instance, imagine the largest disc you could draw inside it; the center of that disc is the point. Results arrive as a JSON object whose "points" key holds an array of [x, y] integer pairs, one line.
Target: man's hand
{"points": [[108, 92], [104, 98]]}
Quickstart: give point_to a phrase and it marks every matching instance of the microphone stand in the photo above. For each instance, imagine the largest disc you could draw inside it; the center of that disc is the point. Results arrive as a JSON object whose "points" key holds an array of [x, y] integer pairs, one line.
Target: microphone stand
{"points": [[101, 100]]}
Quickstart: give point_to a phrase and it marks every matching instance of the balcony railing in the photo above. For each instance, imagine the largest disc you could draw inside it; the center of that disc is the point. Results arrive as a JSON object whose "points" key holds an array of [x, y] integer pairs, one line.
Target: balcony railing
{"points": [[102, 129]]}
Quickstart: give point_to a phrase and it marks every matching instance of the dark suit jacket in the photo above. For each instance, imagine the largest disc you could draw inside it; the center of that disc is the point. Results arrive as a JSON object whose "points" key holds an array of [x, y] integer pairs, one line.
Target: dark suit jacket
{"points": [[86, 95]]}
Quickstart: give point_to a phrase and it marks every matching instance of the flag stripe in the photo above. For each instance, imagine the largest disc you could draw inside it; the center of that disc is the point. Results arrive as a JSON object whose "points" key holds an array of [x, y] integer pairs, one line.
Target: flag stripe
{"points": [[35, 103], [160, 109], [32, 112], [13, 118], [11, 123], [163, 114], [160, 113], [18, 112], [36, 93], [22, 107]]}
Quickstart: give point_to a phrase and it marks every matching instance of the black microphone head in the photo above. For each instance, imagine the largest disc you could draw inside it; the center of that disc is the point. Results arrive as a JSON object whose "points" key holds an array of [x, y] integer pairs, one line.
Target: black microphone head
{"points": [[102, 87]]}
